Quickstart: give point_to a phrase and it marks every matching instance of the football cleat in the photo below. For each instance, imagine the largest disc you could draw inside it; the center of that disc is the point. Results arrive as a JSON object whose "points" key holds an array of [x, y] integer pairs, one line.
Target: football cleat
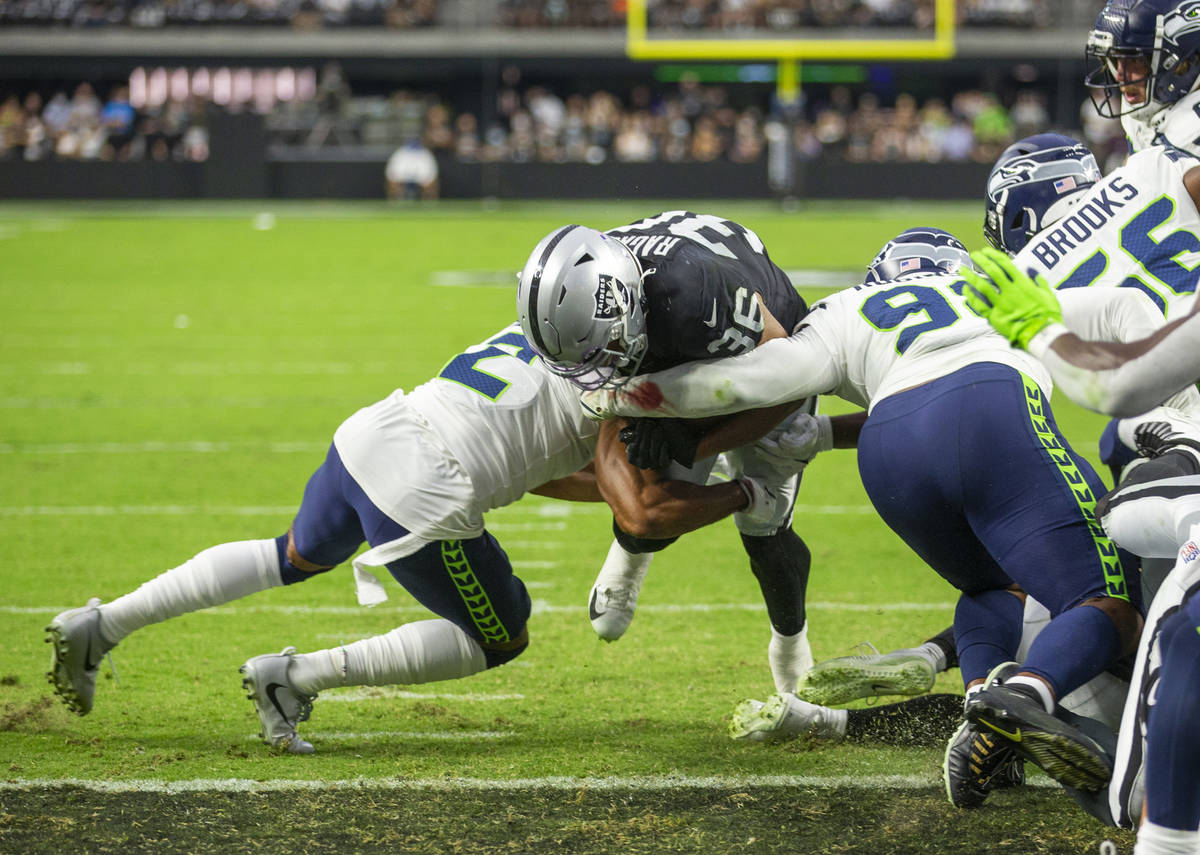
{"points": [[279, 704], [1018, 718], [614, 599], [848, 678], [783, 717], [78, 648], [977, 763]]}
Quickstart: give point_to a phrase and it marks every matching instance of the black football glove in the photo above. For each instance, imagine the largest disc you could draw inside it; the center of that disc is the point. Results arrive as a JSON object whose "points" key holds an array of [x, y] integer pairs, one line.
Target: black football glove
{"points": [[654, 443]]}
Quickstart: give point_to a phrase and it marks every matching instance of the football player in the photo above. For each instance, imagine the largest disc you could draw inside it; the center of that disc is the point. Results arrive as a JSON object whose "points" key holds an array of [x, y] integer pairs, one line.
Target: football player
{"points": [[939, 385], [1145, 66], [413, 476], [1155, 742], [666, 290]]}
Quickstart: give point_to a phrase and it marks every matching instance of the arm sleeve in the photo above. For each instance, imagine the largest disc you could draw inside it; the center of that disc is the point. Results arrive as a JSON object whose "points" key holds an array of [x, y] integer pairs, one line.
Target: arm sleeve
{"points": [[1137, 378], [784, 369]]}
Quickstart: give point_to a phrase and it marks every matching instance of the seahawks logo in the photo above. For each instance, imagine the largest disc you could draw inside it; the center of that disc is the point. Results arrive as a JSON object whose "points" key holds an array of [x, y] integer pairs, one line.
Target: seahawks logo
{"points": [[1181, 21]]}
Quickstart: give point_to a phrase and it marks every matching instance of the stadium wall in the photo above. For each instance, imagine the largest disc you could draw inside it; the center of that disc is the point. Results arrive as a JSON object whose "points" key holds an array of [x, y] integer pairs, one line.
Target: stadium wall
{"points": [[293, 178]]}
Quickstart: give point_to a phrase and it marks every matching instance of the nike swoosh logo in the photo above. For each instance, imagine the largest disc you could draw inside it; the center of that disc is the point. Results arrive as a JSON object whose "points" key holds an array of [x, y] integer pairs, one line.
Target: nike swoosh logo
{"points": [[272, 688], [1015, 736], [712, 322], [593, 612]]}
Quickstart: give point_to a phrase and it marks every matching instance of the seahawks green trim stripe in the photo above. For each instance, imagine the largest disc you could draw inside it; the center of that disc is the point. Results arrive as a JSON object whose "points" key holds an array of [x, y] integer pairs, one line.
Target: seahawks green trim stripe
{"points": [[476, 598], [1114, 575]]}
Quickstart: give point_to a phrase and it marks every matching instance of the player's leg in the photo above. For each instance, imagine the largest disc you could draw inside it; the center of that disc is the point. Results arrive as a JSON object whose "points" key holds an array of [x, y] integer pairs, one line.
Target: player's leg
{"points": [[1172, 752], [483, 609], [780, 561], [613, 599], [1039, 523], [215, 576], [925, 721]]}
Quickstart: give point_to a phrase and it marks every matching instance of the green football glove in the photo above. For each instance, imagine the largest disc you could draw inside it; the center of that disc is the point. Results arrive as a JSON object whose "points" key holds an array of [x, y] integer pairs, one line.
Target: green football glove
{"points": [[1017, 306]]}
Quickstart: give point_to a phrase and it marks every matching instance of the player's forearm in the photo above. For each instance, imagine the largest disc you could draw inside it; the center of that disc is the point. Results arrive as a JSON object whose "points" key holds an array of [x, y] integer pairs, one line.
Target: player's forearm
{"points": [[742, 429], [577, 487], [671, 508], [1118, 378], [775, 373]]}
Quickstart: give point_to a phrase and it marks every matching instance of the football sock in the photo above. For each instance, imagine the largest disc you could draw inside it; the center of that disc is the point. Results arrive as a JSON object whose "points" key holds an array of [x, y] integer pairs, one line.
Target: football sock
{"points": [[1158, 840], [781, 563], [1037, 688], [620, 564], [216, 576], [987, 631], [928, 720], [422, 652], [944, 642], [790, 656], [1073, 648]]}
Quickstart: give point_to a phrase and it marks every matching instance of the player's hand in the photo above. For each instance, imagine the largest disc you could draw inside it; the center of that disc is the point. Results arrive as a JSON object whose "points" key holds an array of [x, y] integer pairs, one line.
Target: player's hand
{"points": [[654, 443], [1017, 306], [791, 446]]}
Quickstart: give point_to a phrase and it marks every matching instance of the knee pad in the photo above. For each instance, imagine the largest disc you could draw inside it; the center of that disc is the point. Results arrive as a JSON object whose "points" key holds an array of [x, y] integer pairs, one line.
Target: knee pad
{"points": [[288, 572], [640, 545], [507, 651]]}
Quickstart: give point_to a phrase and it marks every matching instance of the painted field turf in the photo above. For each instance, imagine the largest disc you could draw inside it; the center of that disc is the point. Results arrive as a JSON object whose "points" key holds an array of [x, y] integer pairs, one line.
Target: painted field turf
{"points": [[169, 378]]}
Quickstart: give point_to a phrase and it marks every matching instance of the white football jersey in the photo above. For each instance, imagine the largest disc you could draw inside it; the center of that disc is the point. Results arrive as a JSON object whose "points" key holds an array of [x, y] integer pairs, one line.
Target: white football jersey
{"points": [[861, 344], [509, 423], [1177, 126], [1138, 228]]}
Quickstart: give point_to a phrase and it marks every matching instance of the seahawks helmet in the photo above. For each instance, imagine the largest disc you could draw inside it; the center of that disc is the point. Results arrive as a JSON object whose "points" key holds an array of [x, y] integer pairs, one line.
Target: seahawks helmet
{"points": [[1164, 33], [1035, 183], [580, 302], [922, 249]]}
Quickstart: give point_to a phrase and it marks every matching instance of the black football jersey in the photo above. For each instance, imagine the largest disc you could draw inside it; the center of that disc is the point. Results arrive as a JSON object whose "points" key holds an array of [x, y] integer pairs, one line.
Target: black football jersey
{"points": [[702, 275]]}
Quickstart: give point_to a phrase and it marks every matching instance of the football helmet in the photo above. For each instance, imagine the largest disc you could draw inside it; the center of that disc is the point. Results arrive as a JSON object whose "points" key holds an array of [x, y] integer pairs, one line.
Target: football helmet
{"points": [[1164, 34], [1035, 182], [581, 306], [923, 249]]}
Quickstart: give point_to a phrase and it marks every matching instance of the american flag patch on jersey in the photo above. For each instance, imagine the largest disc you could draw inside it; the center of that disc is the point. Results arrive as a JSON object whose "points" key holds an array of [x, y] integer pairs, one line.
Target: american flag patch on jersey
{"points": [[909, 264], [1062, 185]]}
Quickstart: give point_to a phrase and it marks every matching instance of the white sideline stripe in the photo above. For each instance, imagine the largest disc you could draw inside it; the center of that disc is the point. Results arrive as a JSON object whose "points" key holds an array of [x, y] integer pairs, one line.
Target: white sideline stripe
{"points": [[150, 447], [634, 782], [539, 607], [528, 526], [535, 565], [372, 693], [408, 735], [273, 510]]}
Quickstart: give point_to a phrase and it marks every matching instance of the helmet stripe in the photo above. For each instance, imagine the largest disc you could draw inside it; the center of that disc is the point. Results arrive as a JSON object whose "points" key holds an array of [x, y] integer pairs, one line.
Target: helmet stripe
{"points": [[534, 285]]}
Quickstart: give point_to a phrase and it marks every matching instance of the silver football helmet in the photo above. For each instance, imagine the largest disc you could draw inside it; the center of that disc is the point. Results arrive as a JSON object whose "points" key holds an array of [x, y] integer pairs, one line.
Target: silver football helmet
{"points": [[580, 300]]}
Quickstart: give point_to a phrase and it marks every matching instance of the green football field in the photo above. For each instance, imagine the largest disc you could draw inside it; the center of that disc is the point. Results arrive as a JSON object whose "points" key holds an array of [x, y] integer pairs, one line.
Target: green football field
{"points": [[170, 375]]}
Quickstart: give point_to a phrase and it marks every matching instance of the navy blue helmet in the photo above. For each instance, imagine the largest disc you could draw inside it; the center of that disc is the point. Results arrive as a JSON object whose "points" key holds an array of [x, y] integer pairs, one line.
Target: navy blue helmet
{"points": [[1165, 34], [1035, 182], [923, 249]]}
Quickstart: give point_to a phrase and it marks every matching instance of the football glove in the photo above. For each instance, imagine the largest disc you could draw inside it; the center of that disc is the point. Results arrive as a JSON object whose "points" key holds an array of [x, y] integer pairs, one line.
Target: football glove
{"points": [[791, 446], [654, 443], [1017, 306]]}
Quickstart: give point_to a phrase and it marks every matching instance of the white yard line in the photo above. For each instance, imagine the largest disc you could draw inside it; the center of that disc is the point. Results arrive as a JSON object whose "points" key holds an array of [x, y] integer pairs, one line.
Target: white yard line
{"points": [[539, 607], [562, 510], [619, 783]]}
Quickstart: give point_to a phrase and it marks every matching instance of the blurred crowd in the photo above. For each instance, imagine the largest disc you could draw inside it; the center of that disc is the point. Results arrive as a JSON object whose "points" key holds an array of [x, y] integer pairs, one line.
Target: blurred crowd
{"points": [[724, 15], [83, 127], [687, 122], [699, 123]]}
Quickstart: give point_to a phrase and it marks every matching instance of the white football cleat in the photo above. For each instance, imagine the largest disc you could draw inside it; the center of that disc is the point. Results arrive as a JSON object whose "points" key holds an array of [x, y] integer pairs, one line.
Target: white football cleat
{"points": [[78, 649], [279, 704], [847, 678], [784, 717], [614, 597]]}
